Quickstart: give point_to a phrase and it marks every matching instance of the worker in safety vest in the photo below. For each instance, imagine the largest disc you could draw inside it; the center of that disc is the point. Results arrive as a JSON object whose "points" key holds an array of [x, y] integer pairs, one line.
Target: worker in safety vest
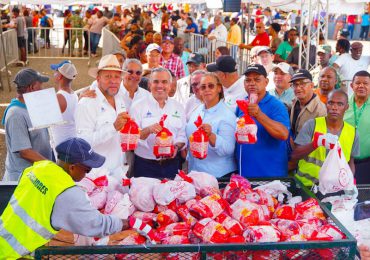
{"points": [[47, 200], [319, 135]]}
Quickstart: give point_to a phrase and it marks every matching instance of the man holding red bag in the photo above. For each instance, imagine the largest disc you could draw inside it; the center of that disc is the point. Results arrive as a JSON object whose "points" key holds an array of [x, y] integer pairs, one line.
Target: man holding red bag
{"points": [[320, 135]]}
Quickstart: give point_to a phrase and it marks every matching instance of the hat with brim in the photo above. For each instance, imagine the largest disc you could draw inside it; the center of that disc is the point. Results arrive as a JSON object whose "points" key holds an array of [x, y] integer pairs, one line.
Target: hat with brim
{"points": [[224, 63], [27, 76], [107, 63], [301, 74], [257, 68]]}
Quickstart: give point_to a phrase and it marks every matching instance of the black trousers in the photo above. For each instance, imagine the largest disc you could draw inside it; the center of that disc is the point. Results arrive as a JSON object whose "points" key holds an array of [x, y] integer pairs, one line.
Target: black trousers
{"points": [[155, 169]]}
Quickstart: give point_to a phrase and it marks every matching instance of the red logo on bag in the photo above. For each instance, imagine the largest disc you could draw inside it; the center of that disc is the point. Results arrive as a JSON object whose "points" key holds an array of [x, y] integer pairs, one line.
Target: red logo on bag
{"points": [[343, 177]]}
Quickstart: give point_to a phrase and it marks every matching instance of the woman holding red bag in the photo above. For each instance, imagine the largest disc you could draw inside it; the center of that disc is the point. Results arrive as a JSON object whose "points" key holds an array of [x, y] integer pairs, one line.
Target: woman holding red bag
{"points": [[219, 127]]}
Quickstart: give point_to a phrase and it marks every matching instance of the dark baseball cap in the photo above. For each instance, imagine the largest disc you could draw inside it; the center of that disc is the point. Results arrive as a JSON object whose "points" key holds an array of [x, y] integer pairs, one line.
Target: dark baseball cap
{"points": [[257, 68], [77, 150], [301, 74], [224, 63], [167, 38], [28, 76], [196, 58]]}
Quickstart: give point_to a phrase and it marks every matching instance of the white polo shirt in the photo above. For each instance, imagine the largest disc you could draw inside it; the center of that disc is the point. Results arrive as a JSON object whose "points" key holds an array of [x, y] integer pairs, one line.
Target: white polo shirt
{"points": [[192, 104], [94, 123], [182, 93], [235, 92], [146, 112], [140, 93]]}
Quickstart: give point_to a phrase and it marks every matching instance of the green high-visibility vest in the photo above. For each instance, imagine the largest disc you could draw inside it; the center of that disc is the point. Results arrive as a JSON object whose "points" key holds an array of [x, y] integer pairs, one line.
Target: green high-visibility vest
{"points": [[25, 224], [309, 167]]}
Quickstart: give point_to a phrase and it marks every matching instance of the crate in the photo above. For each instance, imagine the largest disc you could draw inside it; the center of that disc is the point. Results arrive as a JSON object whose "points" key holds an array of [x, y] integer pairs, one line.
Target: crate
{"points": [[312, 250]]}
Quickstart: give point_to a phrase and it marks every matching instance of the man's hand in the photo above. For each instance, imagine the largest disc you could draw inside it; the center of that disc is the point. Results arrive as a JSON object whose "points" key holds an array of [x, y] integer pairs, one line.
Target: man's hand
{"points": [[155, 128], [326, 140], [121, 120], [364, 252], [253, 110]]}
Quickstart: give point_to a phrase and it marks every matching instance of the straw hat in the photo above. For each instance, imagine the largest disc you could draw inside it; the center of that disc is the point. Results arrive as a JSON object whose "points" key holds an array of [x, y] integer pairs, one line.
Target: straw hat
{"points": [[107, 62]]}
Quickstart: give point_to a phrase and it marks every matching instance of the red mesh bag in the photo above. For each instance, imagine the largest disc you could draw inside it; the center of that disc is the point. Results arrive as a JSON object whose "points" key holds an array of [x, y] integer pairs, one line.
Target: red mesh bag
{"points": [[199, 141], [285, 212], [309, 209], [232, 226], [163, 146], [246, 128], [209, 207], [237, 188], [130, 135], [211, 231]]}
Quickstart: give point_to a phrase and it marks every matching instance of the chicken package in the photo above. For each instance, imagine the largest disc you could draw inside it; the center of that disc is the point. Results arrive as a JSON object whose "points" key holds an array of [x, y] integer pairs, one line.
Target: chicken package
{"points": [[167, 217], [246, 212], [199, 141], [201, 181], [288, 228], [147, 217], [130, 135], [117, 238], [119, 204], [309, 209], [237, 188], [87, 184], [262, 233], [98, 196], [209, 207], [211, 231], [327, 232], [160, 208], [285, 212], [246, 127], [309, 226], [163, 144], [231, 225], [141, 192], [262, 198], [179, 228], [184, 213], [175, 240], [168, 191], [276, 189]]}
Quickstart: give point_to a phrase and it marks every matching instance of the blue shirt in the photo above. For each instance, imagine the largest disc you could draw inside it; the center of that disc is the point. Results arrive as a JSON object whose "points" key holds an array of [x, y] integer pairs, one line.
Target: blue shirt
{"points": [[191, 26], [44, 21], [269, 156], [365, 20], [184, 58], [220, 159]]}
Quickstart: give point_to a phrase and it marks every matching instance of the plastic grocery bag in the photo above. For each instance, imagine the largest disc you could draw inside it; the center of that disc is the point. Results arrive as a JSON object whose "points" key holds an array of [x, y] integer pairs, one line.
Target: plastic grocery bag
{"points": [[199, 141], [130, 135], [246, 128], [163, 146], [335, 174]]}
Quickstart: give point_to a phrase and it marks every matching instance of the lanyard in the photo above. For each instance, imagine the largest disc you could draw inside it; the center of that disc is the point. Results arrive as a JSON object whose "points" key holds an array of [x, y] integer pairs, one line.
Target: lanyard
{"points": [[357, 119]]}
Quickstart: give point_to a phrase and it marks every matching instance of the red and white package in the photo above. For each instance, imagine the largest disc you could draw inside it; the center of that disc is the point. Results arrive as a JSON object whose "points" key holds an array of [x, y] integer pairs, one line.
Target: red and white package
{"points": [[184, 213], [163, 143], [198, 141], [285, 212], [246, 128], [119, 204], [328, 233], [309, 209], [231, 225], [167, 217], [246, 212], [87, 185], [209, 207], [98, 196], [237, 188], [130, 135], [141, 192], [309, 226], [210, 231], [175, 240], [262, 198], [133, 239], [179, 228], [167, 191], [288, 228], [262, 234], [146, 217], [200, 180]]}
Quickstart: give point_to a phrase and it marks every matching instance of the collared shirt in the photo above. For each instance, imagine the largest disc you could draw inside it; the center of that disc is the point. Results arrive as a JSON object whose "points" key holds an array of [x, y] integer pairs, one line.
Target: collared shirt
{"points": [[261, 39], [349, 66], [184, 58], [220, 159], [147, 111], [182, 93], [323, 98], [140, 93], [94, 123], [235, 35], [175, 65], [269, 156], [192, 104], [286, 97], [97, 24], [363, 125], [220, 32], [234, 92]]}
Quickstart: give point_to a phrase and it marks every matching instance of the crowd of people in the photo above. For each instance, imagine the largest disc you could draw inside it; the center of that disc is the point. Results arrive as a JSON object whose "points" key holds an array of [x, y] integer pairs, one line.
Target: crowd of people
{"points": [[299, 114]]}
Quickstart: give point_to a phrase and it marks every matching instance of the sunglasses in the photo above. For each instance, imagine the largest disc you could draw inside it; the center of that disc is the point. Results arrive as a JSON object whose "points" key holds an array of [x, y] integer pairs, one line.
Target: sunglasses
{"points": [[87, 169], [195, 84], [136, 72], [210, 86]]}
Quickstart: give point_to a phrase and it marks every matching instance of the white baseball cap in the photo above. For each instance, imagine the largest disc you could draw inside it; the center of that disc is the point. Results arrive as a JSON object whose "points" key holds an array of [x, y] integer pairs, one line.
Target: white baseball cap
{"points": [[66, 68]]}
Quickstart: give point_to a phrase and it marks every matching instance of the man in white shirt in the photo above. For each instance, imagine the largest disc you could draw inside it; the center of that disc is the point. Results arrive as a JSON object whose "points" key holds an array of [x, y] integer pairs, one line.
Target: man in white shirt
{"points": [[99, 120], [219, 33], [195, 99], [195, 62], [233, 85], [132, 73], [348, 64], [147, 113]]}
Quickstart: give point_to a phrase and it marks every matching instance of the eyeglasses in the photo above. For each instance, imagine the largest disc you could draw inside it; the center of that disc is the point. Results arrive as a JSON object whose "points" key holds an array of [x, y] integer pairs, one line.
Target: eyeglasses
{"points": [[195, 84], [300, 84], [136, 72], [210, 86]]}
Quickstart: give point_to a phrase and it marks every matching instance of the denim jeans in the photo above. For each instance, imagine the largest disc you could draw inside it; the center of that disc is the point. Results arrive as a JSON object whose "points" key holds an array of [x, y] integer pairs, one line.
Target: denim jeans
{"points": [[94, 41], [364, 32], [351, 28]]}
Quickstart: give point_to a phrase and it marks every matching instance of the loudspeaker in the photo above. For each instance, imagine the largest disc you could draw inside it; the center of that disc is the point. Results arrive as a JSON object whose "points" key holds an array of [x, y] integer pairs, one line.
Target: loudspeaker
{"points": [[232, 5]]}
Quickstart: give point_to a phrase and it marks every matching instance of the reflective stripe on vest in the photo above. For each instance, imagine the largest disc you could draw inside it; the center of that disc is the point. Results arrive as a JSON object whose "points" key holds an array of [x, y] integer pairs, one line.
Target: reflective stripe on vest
{"points": [[27, 217], [309, 167]]}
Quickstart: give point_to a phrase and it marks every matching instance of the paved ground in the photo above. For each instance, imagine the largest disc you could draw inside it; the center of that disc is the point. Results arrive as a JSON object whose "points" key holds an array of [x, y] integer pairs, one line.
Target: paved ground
{"points": [[82, 80]]}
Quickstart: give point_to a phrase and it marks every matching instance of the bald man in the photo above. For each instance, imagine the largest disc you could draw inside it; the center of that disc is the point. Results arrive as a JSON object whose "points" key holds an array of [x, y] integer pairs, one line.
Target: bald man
{"points": [[261, 39]]}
